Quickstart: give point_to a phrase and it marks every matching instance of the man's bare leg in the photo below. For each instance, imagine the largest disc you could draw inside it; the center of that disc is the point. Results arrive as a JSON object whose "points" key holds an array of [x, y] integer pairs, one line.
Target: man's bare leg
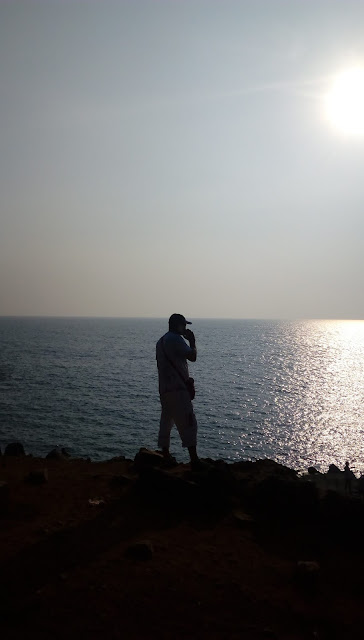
{"points": [[196, 463], [193, 454]]}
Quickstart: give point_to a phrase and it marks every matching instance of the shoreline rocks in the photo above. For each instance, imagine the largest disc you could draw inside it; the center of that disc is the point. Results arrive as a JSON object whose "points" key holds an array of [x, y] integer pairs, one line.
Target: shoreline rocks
{"points": [[200, 540], [332, 479]]}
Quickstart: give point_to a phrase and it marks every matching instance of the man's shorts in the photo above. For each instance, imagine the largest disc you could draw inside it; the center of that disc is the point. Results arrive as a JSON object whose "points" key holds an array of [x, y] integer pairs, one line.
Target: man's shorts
{"points": [[177, 409]]}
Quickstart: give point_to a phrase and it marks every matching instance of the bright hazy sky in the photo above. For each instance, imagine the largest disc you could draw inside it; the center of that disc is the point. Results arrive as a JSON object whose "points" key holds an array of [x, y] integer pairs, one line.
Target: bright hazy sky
{"points": [[162, 156]]}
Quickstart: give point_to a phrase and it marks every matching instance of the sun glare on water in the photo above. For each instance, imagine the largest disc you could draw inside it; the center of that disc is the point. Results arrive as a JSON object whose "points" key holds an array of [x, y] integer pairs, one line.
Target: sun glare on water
{"points": [[345, 102]]}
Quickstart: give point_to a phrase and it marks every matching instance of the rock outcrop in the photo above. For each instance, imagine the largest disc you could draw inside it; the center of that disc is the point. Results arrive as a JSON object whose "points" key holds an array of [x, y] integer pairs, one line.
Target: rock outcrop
{"points": [[265, 488], [334, 469], [146, 459], [313, 471], [58, 453], [14, 449]]}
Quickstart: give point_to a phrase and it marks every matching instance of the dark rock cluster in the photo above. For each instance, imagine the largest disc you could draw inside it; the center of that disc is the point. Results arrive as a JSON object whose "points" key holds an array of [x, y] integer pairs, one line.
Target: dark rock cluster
{"points": [[263, 487], [261, 494]]}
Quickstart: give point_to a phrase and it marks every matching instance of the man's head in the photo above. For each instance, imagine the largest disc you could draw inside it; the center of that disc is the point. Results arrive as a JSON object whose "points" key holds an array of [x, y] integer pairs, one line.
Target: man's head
{"points": [[177, 323]]}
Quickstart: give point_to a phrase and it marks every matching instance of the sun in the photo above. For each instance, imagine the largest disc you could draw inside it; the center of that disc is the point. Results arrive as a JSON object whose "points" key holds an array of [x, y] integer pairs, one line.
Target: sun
{"points": [[344, 103]]}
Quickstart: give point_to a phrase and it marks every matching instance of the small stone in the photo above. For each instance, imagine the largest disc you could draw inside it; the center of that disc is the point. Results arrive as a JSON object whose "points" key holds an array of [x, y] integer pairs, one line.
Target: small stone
{"points": [[96, 502], [14, 449], [142, 550]]}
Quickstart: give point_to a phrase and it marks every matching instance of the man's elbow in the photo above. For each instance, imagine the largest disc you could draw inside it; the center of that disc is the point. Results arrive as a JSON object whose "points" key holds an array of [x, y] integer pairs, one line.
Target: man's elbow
{"points": [[192, 357]]}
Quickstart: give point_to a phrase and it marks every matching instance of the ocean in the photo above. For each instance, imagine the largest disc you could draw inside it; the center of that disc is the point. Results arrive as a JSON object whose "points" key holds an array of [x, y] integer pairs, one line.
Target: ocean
{"points": [[291, 391]]}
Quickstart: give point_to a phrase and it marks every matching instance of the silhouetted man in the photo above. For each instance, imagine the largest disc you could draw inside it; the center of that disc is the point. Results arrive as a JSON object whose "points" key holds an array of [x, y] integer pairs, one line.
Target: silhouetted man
{"points": [[175, 386]]}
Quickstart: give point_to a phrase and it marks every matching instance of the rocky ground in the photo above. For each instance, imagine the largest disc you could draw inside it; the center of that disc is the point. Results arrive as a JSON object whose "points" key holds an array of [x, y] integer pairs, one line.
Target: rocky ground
{"points": [[130, 549]]}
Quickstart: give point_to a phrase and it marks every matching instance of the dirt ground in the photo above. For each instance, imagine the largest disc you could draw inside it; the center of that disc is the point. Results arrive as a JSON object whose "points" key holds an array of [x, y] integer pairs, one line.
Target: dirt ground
{"points": [[65, 568]]}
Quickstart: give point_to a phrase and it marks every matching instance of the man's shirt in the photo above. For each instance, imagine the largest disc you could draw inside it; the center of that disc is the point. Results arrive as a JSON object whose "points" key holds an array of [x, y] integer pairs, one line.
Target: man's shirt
{"points": [[177, 351]]}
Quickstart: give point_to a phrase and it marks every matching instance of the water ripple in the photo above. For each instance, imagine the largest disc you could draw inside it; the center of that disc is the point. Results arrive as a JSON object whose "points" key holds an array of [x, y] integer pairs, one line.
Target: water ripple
{"points": [[288, 390]]}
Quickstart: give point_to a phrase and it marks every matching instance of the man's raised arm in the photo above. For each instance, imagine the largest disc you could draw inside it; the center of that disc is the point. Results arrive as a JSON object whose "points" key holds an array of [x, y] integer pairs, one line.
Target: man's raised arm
{"points": [[190, 336]]}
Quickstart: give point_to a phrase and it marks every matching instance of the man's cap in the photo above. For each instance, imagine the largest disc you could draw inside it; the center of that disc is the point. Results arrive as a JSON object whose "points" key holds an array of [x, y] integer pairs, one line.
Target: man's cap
{"points": [[176, 319]]}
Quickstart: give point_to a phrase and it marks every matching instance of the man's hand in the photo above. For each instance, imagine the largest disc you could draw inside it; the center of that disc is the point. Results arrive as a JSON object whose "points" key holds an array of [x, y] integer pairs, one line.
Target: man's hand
{"points": [[190, 336]]}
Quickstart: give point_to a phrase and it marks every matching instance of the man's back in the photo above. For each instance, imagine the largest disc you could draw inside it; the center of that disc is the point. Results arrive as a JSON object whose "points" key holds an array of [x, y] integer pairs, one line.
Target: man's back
{"points": [[172, 353]]}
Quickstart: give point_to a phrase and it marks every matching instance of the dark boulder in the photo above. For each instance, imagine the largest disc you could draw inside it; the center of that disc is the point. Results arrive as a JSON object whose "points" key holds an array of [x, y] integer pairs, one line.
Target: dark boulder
{"points": [[313, 471], [14, 449], [334, 469], [267, 468], [146, 458], [250, 474], [58, 453]]}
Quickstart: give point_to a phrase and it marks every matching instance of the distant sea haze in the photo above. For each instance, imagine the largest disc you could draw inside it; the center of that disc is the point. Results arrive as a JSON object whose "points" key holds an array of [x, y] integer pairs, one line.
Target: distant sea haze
{"points": [[290, 391]]}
